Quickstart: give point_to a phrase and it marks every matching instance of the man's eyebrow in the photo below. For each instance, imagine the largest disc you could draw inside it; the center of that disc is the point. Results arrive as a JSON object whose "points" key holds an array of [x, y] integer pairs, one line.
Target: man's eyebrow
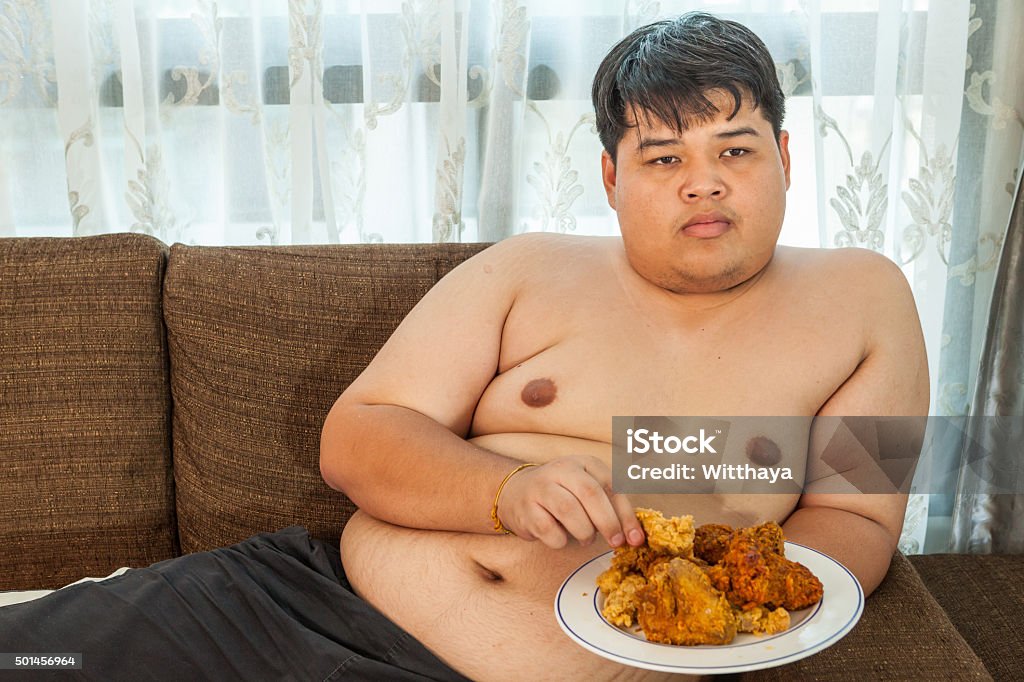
{"points": [[649, 142], [738, 132]]}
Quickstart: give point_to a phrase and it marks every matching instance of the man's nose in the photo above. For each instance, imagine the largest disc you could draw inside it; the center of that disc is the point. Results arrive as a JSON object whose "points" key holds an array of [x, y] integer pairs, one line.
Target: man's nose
{"points": [[702, 182]]}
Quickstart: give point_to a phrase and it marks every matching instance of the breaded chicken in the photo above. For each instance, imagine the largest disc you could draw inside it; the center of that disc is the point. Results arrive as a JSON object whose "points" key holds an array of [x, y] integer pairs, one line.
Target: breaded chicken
{"points": [[710, 542], [678, 605], [628, 559], [666, 538], [621, 604], [702, 586], [751, 575], [767, 536], [672, 536], [761, 621]]}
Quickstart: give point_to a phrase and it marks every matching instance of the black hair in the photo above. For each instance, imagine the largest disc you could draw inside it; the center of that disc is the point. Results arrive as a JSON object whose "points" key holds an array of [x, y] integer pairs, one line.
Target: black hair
{"points": [[666, 69]]}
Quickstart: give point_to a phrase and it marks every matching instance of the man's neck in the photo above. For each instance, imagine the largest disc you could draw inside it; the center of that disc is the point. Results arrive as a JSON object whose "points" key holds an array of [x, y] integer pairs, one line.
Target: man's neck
{"points": [[689, 300]]}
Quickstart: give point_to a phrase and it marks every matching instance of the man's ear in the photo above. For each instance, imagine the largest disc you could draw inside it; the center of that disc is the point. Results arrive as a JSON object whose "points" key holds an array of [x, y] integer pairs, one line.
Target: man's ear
{"points": [[608, 177], [784, 153]]}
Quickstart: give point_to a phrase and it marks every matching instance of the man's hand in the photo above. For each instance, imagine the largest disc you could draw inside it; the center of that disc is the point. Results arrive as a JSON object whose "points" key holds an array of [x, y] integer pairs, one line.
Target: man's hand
{"points": [[568, 496]]}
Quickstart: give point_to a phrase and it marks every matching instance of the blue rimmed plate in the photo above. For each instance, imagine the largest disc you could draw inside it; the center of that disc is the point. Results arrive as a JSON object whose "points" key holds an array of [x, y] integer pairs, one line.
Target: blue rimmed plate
{"points": [[578, 610]]}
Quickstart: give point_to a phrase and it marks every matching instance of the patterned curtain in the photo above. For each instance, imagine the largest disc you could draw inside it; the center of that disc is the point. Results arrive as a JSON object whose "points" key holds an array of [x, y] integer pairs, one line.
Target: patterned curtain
{"points": [[335, 121], [988, 516]]}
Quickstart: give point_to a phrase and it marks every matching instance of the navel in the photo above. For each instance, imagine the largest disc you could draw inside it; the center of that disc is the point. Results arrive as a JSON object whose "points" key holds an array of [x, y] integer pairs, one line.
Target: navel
{"points": [[488, 574], [763, 451], [539, 392]]}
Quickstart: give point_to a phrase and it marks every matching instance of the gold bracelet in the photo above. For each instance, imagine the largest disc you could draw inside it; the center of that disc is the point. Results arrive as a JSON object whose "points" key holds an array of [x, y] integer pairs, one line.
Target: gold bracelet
{"points": [[499, 527]]}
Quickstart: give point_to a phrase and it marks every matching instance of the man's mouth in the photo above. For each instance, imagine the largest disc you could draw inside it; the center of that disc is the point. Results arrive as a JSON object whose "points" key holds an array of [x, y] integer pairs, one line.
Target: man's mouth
{"points": [[707, 225]]}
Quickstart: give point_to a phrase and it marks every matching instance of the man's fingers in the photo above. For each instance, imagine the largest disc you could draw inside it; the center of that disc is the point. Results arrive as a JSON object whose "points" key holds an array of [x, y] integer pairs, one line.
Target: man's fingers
{"points": [[567, 509], [547, 529], [599, 471], [572, 497], [595, 501], [622, 527], [633, 532]]}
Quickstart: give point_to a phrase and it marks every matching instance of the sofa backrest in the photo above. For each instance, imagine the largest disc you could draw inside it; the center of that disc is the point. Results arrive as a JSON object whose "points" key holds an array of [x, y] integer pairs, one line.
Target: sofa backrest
{"points": [[262, 341], [85, 410]]}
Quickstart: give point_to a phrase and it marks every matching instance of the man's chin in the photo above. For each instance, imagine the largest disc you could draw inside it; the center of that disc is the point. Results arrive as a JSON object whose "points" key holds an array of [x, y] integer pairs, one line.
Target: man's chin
{"points": [[704, 273], [702, 281]]}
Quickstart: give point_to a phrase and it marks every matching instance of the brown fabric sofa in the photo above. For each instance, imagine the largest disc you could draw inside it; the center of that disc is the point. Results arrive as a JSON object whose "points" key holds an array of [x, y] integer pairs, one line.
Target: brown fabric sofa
{"points": [[162, 400]]}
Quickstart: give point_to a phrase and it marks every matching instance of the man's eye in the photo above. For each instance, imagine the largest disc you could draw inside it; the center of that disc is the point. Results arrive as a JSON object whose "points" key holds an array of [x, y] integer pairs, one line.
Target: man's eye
{"points": [[664, 160], [736, 151]]}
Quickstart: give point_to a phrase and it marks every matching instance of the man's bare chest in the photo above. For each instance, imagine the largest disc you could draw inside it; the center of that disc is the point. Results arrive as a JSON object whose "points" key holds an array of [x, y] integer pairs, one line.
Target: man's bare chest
{"points": [[569, 369]]}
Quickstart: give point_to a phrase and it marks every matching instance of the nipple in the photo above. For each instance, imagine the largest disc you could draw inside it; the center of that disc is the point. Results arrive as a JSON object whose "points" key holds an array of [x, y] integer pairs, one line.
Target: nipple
{"points": [[763, 451], [539, 392]]}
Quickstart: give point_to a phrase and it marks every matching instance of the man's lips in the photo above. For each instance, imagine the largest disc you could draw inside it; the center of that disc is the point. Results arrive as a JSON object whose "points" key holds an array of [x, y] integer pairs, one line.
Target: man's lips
{"points": [[707, 225]]}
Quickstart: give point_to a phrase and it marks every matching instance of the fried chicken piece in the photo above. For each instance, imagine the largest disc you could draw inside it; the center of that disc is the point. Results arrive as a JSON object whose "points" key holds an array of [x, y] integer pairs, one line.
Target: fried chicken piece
{"points": [[672, 536], [710, 541], [628, 559], [803, 588], [666, 538], [761, 621], [678, 605], [767, 536], [751, 575], [610, 579], [621, 604]]}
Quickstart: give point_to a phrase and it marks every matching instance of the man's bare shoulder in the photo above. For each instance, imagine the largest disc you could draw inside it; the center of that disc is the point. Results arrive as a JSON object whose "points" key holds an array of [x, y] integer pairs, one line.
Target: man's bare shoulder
{"points": [[547, 246], [489, 283], [537, 255], [852, 275], [867, 294]]}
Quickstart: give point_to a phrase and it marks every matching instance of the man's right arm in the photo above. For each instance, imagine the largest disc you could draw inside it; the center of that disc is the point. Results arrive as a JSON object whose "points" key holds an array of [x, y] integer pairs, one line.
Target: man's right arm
{"points": [[394, 442]]}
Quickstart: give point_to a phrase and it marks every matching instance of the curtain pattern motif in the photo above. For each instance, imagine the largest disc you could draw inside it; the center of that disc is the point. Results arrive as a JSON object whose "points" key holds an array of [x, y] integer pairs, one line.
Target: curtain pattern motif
{"points": [[444, 120]]}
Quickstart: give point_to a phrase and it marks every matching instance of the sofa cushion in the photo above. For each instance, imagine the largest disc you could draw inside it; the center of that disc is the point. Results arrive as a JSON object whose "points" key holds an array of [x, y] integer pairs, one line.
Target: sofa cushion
{"points": [[85, 462], [902, 635], [262, 342], [984, 598]]}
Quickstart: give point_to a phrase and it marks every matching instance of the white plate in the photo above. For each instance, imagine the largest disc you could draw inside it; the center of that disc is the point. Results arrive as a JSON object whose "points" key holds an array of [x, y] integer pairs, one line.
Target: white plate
{"points": [[578, 610]]}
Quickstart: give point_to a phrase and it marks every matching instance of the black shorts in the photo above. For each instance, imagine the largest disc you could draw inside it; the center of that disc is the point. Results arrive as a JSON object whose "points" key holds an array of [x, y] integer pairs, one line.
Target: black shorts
{"points": [[274, 607]]}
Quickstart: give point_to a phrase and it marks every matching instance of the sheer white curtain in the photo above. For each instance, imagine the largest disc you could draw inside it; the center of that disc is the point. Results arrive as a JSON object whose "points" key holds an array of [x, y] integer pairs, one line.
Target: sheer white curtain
{"points": [[446, 120]]}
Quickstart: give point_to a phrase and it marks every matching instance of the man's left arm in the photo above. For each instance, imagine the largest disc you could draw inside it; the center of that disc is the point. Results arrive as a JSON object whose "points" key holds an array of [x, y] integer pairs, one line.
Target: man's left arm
{"points": [[862, 530]]}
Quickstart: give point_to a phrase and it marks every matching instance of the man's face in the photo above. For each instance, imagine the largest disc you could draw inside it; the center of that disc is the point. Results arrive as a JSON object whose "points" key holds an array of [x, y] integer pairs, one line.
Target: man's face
{"points": [[700, 211]]}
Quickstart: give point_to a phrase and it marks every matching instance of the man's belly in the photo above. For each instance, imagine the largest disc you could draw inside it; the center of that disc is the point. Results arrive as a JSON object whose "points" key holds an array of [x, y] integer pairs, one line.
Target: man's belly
{"points": [[485, 603]]}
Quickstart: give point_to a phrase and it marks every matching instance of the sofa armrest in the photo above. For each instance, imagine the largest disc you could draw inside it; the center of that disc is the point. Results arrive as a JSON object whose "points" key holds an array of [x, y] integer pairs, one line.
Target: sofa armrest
{"points": [[903, 635], [983, 595]]}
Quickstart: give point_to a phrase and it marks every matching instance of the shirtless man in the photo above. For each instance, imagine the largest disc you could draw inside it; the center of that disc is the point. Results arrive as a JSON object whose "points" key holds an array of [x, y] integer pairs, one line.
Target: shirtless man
{"points": [[526, 351]]}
